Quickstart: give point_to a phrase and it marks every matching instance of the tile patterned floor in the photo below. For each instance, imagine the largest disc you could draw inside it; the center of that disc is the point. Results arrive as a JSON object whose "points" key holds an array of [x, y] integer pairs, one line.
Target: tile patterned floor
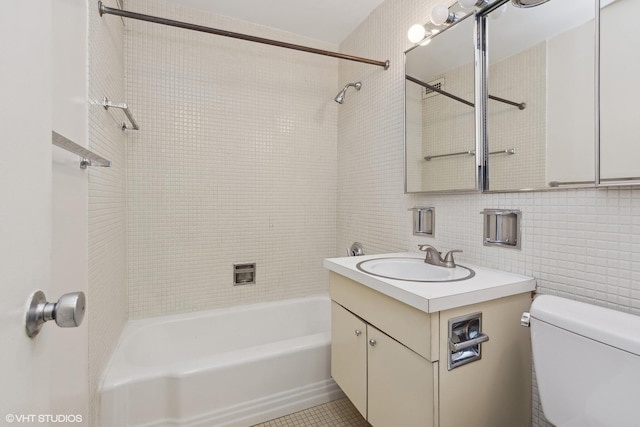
{"points": [[339, 413]]}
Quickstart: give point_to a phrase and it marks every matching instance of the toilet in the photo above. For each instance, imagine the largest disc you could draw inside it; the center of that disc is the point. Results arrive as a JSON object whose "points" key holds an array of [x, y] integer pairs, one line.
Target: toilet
{"points": [[587, 362]]}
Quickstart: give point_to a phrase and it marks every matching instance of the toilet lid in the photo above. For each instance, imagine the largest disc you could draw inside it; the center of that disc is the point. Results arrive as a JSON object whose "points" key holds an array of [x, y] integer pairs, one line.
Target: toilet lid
{"points": [[611, 327]]}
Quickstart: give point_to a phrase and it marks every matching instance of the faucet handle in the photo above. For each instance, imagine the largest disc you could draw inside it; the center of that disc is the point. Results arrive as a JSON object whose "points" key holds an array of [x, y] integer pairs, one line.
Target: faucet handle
{"points": [[448, 258], [425, 248]]}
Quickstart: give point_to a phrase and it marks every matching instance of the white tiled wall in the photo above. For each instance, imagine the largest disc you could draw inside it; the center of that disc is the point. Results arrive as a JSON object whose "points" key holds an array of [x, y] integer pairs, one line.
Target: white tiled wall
{"points": [[581, 244], [107, 298], [235, 161]]}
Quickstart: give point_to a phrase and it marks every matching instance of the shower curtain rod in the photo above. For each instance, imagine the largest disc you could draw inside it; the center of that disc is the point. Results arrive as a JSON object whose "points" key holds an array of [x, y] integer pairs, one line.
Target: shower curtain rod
{"points": [[520, 105], [148, 18]]}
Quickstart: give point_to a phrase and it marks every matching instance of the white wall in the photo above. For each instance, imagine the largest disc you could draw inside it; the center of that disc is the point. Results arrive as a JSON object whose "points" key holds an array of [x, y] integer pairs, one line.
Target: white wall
{"points": [[235, 161], [69, 204], [581, 244]]}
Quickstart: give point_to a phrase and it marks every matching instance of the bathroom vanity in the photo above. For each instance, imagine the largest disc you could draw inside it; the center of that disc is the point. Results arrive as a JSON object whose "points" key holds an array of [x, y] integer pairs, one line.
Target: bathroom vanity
{"points": [[448, 353]]}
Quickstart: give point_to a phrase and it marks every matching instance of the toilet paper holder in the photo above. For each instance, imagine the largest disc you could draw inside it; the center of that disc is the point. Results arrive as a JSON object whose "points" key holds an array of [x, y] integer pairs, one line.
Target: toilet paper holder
{"points": [[465, 340]]}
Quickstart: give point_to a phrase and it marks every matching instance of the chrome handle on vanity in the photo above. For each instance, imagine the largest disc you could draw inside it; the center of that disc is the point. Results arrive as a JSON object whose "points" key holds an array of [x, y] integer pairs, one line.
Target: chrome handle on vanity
{"points": [[358, 332], [372, 342], [68, 312], [525, 320], [457, 346]]}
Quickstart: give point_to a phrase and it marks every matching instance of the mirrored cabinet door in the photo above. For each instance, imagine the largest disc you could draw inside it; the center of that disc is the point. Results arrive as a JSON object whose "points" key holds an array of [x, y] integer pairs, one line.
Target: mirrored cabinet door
{"points": [[619, 91], [540, 115], [440, 115]]}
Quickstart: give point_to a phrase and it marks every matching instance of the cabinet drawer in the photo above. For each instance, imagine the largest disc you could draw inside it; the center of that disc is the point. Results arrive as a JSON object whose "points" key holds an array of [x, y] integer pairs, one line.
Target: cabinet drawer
{"points": [[414, 328]]}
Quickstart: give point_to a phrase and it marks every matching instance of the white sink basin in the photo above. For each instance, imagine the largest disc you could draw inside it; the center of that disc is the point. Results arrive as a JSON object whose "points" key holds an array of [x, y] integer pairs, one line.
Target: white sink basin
{"points": [[413, 269]]}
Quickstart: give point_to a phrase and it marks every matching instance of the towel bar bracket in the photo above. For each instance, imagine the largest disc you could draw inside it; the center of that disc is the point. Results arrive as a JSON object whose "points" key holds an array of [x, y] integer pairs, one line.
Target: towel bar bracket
{"points": [[124, 107]]}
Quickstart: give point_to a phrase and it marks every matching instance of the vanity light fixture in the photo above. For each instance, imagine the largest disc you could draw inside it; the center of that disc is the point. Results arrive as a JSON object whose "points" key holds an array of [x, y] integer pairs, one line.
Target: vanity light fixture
{"points": [[416, 33], [443, 15], [419, 34], [440, 15]]}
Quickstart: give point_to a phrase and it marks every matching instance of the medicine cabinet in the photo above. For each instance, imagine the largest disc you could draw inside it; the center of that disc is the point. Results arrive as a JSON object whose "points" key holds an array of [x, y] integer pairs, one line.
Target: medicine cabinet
{"points": [[543, 99]]}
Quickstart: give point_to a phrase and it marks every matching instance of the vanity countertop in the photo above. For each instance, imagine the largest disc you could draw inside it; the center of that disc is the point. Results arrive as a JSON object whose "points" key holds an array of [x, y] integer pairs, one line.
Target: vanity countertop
{"points": [[431, 297]]}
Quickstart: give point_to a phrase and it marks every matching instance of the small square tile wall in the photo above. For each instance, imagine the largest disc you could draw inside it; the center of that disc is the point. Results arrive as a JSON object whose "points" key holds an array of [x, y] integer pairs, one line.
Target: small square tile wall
{"points": [[580, 244], [235, 161], [107, 247]]}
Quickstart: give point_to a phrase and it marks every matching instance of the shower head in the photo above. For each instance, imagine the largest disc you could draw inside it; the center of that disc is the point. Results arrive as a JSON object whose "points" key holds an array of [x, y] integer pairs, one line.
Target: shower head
{"points": [[340, 96], [527, 3]]}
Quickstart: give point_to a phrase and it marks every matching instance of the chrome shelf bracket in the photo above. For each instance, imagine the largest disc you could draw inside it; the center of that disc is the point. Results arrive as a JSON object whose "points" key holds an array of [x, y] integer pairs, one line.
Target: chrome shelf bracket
{"points": [[124, 107]]}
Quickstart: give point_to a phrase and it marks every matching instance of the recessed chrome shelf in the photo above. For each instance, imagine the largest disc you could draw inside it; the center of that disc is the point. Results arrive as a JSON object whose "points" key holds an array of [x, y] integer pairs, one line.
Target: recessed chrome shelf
{"points": [[502, 228], [424, 221]]}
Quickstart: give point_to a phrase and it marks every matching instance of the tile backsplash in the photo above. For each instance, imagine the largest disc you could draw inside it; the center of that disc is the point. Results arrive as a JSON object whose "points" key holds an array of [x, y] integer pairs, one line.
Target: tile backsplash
{"points": [[235, 162]]}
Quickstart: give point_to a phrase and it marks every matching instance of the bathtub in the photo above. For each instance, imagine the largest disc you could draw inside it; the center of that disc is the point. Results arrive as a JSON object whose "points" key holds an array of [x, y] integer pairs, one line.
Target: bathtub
{"points": [[227, 367]]}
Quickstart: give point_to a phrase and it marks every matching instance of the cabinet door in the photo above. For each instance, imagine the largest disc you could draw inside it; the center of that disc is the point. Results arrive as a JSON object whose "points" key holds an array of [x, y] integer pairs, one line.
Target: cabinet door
{"points": [[400, 384], [349, 355]]}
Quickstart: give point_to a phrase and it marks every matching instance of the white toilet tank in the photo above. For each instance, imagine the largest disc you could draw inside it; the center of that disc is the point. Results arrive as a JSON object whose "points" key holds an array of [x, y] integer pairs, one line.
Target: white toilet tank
{"points": [[587, 362]]}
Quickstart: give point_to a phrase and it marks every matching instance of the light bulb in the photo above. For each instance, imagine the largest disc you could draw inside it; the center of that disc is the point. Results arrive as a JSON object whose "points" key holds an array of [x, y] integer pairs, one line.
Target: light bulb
{"points": [[416, 33], [440, 15]]}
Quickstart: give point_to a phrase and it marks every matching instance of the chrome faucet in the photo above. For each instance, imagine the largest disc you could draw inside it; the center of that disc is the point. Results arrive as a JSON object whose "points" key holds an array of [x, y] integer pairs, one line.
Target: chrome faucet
{"points": [[434, 257]]}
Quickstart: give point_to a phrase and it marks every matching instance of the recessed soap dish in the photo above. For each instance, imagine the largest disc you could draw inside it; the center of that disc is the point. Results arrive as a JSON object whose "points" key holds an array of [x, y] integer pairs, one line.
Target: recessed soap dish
{"points": [[424, 221], [502, 228]]}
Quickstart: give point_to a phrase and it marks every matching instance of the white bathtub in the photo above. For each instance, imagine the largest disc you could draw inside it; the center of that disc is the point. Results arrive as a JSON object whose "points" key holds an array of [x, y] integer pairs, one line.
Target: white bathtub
{"points": [[228, 367]]}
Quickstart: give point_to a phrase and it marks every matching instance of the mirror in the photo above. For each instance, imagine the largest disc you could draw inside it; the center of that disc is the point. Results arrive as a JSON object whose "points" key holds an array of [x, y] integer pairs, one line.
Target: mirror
{"points": [[619, 90], [544, 57], [440, 136]]}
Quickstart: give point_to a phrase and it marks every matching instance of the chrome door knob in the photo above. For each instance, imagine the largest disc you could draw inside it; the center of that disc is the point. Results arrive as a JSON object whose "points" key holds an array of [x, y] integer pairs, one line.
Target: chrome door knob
{"points": [[358, 332], [372, 342], [68, 312]]}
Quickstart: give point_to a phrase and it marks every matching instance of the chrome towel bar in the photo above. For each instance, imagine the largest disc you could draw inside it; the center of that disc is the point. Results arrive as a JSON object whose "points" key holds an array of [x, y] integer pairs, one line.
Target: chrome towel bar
{"points": [[124, 107], [471, 153], [89, 158]]}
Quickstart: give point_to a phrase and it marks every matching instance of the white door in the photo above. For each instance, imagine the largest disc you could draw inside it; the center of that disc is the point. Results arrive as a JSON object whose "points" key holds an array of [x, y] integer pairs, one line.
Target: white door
{"points": [[42, 208], [69, 267], [25, 204]]}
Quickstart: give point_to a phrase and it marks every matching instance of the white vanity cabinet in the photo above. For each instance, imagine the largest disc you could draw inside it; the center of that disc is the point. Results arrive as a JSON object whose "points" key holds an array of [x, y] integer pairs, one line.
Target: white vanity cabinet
{"points": [[391, 360], [386, 381]]}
